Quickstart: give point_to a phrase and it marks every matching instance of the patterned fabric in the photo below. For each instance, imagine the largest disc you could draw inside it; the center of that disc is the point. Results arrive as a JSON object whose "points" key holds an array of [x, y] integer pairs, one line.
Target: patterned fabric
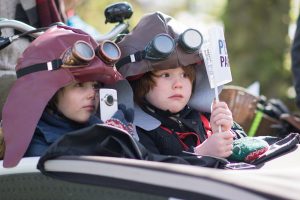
{"points": [[122, 119], [248, 149], [255, 154], [128, 127]]}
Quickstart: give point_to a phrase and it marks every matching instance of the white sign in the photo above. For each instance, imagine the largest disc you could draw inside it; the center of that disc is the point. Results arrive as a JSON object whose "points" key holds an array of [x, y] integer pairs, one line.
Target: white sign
{"points": [[215, 56]]}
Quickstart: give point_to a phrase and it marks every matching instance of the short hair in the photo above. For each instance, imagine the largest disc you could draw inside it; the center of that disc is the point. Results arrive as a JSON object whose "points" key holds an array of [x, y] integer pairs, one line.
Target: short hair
{"points": [[144, 84], [52, 104]]}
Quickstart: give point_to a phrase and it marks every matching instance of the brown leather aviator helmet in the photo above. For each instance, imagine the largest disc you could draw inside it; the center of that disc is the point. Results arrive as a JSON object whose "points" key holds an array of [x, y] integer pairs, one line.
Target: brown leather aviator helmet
{"points": [[134, 62], [40, 76], [148, 27]]}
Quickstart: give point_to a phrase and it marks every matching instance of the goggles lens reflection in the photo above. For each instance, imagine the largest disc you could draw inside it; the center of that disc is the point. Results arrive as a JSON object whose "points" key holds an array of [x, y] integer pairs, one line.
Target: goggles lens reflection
{"points": [[84, 50], [190, 40], [79, 54], [160, 47], [109, 52]]}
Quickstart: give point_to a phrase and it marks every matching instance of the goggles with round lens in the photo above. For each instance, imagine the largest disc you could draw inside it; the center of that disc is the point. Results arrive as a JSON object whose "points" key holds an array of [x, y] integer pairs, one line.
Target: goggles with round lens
{"points": [[78, 55], [109, 52], [159, 48], [81, 53], [163, 45]]}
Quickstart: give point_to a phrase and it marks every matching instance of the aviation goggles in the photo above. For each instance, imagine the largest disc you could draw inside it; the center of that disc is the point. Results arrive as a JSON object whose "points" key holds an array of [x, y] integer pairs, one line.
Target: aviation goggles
{"points": [[163, 45], [79, 54]]}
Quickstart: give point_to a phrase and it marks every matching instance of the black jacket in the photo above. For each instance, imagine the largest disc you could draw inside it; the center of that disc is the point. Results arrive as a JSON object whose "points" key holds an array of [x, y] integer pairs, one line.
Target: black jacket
{"points": [[187, 125]]}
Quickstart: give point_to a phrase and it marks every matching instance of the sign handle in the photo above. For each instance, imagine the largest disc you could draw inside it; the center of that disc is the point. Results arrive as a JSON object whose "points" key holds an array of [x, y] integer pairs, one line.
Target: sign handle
{"points": [[217, 100]]}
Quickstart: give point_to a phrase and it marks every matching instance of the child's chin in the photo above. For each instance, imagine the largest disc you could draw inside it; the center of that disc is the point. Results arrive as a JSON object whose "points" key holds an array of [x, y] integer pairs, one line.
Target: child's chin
{"points": [[83, 120], [176, 109]]}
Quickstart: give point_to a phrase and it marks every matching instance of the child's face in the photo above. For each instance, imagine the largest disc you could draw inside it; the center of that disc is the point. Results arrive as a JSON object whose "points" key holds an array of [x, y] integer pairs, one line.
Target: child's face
{"points": [[172, 91], [78, 101]]}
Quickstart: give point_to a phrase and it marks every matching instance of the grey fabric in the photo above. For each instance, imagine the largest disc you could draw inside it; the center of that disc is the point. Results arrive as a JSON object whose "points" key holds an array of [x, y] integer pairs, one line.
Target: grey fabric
{"points": [[28, 4], [144, 120]]}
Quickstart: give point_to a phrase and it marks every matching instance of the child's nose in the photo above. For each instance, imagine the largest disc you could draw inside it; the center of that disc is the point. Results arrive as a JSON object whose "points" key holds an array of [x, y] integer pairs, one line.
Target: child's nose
{"points": [[92, 92], [177, 82]]}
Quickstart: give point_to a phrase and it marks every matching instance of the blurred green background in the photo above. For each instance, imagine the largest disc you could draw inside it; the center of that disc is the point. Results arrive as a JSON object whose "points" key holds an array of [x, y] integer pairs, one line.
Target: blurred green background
{"points": [[258, 35]]}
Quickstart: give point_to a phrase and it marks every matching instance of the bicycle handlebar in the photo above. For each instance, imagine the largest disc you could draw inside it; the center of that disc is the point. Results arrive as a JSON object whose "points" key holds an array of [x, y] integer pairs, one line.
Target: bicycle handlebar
{"points": [[114, 32], [22, 27]]}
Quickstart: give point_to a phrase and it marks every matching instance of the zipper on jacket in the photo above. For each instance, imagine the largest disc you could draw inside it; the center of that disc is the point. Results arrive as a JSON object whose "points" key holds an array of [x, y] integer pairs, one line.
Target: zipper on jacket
{"points": [[180, 124]]}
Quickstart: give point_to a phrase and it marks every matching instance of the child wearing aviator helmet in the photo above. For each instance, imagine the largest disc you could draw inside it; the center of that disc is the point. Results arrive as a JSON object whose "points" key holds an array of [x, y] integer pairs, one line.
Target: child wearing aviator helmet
{"points": [[56, 91], [174, 111]]}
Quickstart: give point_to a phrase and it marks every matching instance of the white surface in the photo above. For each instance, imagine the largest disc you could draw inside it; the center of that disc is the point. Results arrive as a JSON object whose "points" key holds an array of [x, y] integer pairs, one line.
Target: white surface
{"points": [[216, 58], [26, 165]]}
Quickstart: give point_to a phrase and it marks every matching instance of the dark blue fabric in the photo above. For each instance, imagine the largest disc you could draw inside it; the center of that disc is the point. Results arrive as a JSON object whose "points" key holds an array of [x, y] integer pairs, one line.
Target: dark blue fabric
{"points": [[50, 128]]}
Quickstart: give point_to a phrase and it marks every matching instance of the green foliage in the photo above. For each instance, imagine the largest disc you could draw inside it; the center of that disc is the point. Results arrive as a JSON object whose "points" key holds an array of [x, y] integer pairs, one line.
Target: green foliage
{"points": [[257, 41]]}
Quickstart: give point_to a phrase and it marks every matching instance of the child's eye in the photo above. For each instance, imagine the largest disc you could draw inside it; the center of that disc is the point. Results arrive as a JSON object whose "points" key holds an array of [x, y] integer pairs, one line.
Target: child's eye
{"points": [[79, 85], [184, 75], [97, 86], [165, 75]]}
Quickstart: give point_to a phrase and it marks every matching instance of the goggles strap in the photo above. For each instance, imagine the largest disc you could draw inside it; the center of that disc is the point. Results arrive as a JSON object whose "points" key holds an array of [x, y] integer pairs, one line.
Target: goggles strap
{"points": [[49, 66], [136, 57]]}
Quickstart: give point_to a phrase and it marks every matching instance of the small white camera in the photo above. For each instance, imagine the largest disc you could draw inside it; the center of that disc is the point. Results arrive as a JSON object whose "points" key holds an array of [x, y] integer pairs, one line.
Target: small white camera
{"points": [[108, 103]]}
